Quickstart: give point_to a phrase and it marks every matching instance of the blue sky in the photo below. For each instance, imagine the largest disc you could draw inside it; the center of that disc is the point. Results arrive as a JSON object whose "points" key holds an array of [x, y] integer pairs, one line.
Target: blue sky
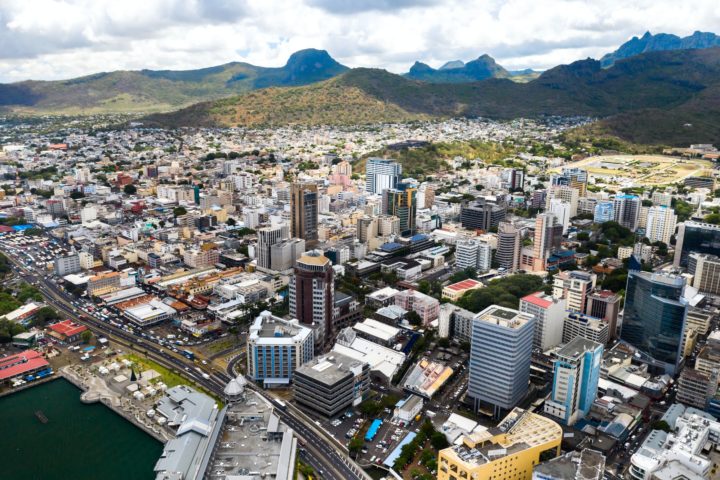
{"points": [[54, 39]]}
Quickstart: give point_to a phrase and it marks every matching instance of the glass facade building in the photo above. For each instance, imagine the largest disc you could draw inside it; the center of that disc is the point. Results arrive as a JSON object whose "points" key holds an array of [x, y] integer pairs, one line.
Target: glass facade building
{"points": [[654, 318], [695, 237]]}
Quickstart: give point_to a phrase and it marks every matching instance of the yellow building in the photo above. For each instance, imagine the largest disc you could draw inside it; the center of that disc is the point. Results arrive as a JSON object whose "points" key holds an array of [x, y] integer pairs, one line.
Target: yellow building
{"points": [[506, 452]]}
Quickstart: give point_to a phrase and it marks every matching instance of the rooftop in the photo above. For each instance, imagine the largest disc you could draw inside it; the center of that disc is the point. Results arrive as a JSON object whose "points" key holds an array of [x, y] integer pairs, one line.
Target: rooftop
{"points": [[329, 369], [505, 317]]}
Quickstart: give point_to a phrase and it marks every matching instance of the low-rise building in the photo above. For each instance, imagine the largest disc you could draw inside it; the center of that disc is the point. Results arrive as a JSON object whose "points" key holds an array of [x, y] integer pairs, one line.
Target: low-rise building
{"points": [[408, 408], [454, 291]]}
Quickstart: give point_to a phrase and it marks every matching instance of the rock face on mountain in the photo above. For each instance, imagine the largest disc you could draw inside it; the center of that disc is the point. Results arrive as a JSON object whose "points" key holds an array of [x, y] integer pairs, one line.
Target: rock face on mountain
{"points": [[660, 42]]}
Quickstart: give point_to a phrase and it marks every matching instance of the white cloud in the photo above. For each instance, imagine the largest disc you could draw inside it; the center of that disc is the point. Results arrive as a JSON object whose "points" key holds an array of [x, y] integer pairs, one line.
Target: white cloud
{"points": [[52, 39]]}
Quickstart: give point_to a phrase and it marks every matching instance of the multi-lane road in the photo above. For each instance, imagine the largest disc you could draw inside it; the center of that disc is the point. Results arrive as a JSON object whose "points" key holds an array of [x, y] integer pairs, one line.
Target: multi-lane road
{"points": [[318, 449]]}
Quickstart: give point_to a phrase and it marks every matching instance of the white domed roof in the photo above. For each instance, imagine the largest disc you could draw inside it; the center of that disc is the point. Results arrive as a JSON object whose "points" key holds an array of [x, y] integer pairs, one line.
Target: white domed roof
{"points": [[233, 388], [241, 380]]}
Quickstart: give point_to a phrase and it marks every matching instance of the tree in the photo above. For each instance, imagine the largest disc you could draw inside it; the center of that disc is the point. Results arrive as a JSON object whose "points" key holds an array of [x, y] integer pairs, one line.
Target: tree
{"points": [[231, 222], [130, 189], [44, 315], [413, 318], [86, 336], [661, 425], [77, 194], [179, 211], [356, 444]]}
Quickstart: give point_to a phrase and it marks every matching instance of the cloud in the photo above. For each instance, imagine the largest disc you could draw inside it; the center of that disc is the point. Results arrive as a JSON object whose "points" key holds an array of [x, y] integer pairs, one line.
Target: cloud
{"points": [[54, 39]]}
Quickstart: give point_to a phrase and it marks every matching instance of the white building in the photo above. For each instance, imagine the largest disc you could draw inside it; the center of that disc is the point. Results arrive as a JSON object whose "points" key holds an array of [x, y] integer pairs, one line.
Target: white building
{"points": [[561, 210], [661, 223], [549, 313], [473, 254]]}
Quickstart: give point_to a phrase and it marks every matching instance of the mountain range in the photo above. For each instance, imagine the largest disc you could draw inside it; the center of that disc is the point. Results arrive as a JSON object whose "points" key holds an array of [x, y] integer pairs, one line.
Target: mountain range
{"points": [[163, 90], [457, 71], [660, 42], [678, 90]]}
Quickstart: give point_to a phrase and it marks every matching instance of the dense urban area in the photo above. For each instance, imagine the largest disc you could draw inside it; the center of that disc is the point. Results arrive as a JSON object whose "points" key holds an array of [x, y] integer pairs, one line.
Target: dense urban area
{"points": [[456, 299]]}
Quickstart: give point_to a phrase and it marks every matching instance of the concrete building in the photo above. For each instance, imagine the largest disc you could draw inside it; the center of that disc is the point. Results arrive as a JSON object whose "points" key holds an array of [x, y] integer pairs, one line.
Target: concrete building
{"points": [[575, 380], [267, 237], [424, 305], [604, 211], [547, 238], [388, 225], [605, 305], [696, 388], [401, 202], [575, 288], [473, 254], [508, 247], [276, 348], [202, 257], [87, 261], [304, 212], [585, 326], [367, 228], [331, 384], [483, 214], [586, 464], [561, 210], [661, 198], [661, 223], [381, 174], [706, 272], [549, 313], [566, 194], [500, 352], [506, 452], [65, 265], [284, 255], [626, 209], [312, 293]]}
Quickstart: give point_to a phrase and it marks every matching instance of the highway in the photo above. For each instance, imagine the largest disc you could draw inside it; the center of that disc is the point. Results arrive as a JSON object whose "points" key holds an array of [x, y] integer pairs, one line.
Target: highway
{"points": [[318, 449]]}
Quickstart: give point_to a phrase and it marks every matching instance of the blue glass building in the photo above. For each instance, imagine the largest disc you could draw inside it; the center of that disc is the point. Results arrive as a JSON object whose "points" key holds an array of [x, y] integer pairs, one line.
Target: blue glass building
{"points": [[604, 211], [654, 318]]}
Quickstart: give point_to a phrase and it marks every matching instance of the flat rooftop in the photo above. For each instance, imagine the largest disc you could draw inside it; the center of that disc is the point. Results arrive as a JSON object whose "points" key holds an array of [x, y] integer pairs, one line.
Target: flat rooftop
{"points": [[329, 369], [506, 317]]}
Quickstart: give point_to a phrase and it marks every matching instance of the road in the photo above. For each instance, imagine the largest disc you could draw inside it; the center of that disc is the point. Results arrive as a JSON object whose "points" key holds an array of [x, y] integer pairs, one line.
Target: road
{"points": [[319, 450]]}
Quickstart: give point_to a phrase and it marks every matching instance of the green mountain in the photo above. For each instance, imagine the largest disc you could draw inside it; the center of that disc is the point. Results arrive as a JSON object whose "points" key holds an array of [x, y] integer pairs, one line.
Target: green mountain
{"points": [[673, 88], [660, 42], [458, 72], [162, 90]]}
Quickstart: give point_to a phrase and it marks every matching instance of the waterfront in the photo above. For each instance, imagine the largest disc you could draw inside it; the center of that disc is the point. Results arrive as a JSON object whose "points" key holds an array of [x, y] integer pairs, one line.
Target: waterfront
{"points": [[79, 441]]}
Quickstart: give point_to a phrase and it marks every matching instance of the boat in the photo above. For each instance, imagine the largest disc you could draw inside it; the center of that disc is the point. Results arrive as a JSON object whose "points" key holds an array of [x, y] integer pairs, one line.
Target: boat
{"points": [[41, 416]]}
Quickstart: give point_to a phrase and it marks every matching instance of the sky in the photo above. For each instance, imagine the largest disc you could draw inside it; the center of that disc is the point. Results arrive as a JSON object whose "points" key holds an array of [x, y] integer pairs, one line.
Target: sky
{"points": [[58, 39]]}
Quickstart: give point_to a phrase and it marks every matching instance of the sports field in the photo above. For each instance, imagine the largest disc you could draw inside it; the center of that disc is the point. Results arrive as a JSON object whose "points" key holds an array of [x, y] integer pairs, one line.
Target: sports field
{"points": [[641, 170]]}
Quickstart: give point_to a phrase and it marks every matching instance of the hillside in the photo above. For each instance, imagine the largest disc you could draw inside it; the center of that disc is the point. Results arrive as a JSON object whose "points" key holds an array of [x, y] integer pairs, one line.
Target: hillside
{"points": [[660, 42], [162, 90], [668, 86]]}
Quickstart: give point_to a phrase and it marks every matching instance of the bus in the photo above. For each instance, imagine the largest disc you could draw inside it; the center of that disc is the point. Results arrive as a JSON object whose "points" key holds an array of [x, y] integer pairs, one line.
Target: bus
{"points": [[188, 354]]}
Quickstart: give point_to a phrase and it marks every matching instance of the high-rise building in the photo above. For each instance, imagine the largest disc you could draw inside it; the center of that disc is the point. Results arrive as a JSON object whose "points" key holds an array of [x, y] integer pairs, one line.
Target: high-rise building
{"points": [[565, 193], [604, 211], [381, 174], [67, 264], [561, 210], [474, 254], [695, 237], [696, 388], [304, 212], [706, 272], [654, 318], [662, 198], [575, 380], [267, 237], [508, 247], [515, 178], [605, 305], [284, 254], [483, 213], [521, 441], [276, 348], [585, 326], [401, 202], [367, 228], [549, 313], [548, 236], [500, 353], [388, 225], [312, 293], [572, 177], [660, 224], [626, 209], [574, 287]]}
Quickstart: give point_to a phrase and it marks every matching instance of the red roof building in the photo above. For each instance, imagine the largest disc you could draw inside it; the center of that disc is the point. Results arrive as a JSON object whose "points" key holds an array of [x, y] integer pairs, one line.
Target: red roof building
{"points": [[539, 299], [20, 364], [458, 289], [67, 330]]}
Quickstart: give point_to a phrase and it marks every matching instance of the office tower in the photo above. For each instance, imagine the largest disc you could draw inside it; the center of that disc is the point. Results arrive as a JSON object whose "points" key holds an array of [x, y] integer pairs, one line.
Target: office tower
{"points": [[312, 293], [508, 247], [549, 313], [572, 177], [276, 348], [381, 174], [643, 216], [626, 209], [561, 210], [706, 272], [284, 254], [574, 287], [401, 202], [660, 224], [575, 380], [500, 353], [661, 199], [654, 318], [483, 213], [515, 178], [566, 194], [367, 228], [605, 305], [586, 206], [304, 212], [267, 237], [604, 211], [473, 254], [696, 388], [695, 237], [548, 236], [509, 451], [585, 326]]}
